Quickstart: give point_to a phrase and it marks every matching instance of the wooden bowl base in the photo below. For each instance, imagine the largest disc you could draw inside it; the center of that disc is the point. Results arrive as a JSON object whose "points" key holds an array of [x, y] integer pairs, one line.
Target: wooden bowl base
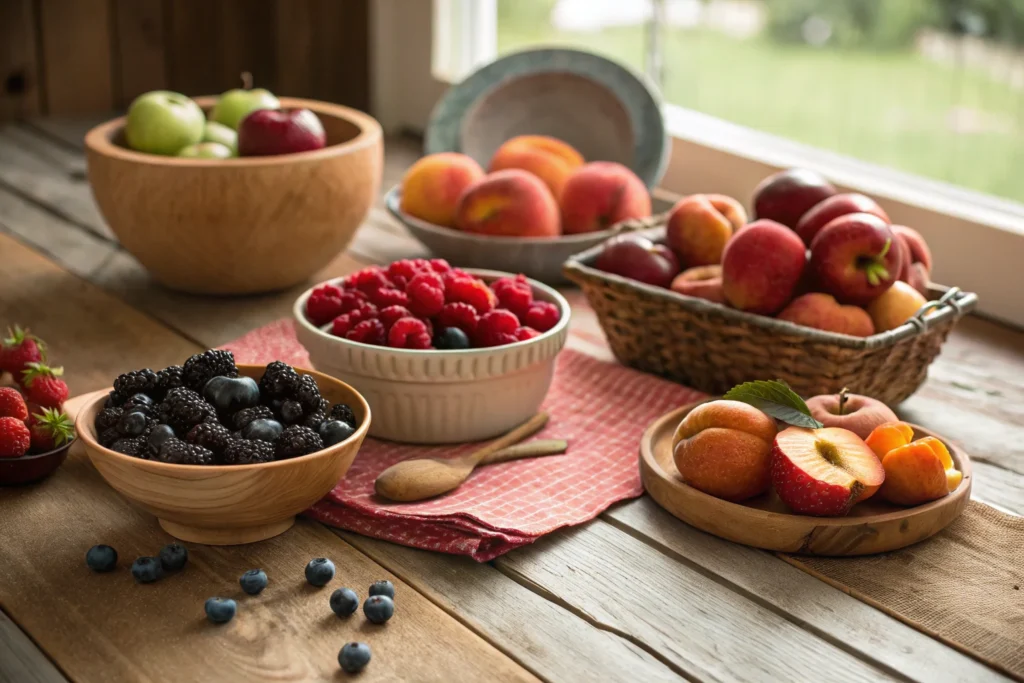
{"points": [[233, 536]]}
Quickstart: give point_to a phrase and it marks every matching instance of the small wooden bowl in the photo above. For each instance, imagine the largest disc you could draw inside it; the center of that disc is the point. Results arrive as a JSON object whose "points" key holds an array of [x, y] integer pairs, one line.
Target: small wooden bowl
{"points": [[873, 526], [245, 225], [229, 504], [31, 468]]}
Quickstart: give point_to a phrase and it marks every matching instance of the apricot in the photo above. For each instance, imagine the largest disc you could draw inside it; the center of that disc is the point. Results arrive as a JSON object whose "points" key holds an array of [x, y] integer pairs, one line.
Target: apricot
{"points": [[723, 448], [702, 282], [600, 194], [699, 226], [918, 472], [889, 436], [548, 158], [431, 188], [510, 203], [895, 306], [823, 312]]}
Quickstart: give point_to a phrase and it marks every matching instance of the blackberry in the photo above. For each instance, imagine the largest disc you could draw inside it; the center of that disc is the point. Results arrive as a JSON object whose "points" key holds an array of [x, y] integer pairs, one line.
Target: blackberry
{"points": [[134, 446], [202, 367], [244, 452], [247, 415], [212, 436], [314, 420], [183, 409], [108, 436], [290, 411], [307, 393], [180, 452], [108, 418], [340, 411], [295, 441], [279, 379], [135, 382], [167, 379]]}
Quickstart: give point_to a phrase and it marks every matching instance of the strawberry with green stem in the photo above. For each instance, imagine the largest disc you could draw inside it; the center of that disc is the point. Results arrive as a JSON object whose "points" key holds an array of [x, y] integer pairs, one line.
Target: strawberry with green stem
{"points": [[42, 385], [49, 429], [19, 349]]}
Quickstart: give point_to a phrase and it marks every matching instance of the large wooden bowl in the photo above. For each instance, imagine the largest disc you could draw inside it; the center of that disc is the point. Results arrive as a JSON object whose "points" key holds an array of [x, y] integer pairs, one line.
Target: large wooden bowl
{"points": [[873, 526], [239, 226], [229, 504]]}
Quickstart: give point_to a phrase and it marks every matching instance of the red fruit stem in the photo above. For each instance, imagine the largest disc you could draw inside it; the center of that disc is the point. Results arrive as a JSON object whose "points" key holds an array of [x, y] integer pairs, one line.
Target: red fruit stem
{"points": [[843, 398], [246, 80]]}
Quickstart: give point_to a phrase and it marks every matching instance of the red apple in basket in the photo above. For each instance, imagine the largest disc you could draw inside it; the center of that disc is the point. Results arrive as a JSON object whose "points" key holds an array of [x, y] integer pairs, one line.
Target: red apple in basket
{"points": [[269, 132], [856, 258], [638, 258], [761, 267], [824, 472], [859, 414], [786, 196], [827, 210]]}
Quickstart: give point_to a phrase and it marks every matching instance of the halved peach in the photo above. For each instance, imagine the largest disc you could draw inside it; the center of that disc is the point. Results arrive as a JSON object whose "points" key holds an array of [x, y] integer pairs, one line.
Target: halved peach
{"points": [[889, 435], [953, 475], [918, 472]]}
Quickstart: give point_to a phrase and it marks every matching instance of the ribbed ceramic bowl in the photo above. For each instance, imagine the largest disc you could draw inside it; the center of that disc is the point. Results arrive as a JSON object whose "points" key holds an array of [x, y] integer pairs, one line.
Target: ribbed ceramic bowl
{"points": [[229, 504], [540, 258], [436, 396]]}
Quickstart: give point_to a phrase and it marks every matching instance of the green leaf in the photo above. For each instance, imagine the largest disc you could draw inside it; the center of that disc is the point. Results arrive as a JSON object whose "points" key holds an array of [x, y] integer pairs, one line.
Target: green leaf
{"points": [[776, 399]]}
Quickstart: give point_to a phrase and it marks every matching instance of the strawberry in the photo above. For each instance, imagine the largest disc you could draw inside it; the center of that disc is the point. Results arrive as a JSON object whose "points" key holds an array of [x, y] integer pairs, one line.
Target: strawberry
{"points": [[42, 385], [19, 349], [50, 428], [14, 438], [12, 404]]}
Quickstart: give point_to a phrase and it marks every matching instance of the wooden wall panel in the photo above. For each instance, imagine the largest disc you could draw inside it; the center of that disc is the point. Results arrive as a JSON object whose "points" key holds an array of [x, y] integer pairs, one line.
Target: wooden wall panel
{"points": [[77, 55], [20, 92], [139, 50], [247, 43], [194, 50]]}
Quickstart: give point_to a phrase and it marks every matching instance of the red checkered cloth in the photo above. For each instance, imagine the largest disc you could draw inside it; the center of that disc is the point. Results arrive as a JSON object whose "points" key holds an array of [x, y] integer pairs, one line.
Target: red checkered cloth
{"points": [[600, 408]]}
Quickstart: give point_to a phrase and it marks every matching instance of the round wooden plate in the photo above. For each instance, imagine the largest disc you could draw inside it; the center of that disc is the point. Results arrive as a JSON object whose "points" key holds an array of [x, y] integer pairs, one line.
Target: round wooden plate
{"points": [[873, 526]]}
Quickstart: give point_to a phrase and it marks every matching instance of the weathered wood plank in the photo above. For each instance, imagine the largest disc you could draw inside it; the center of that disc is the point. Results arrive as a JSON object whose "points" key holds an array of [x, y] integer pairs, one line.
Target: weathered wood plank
{"points": [[70, 131], [247, 35], [20, 660], [803, 599], [140, 61], [696, 625], [194, 56], [1001, 488], [76, 48], [21, 95]]}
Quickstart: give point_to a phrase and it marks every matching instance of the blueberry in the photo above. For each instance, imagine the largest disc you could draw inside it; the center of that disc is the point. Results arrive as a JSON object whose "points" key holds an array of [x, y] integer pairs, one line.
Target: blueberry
{"points": [[147, 569], [253, 581], [335, 431], [101, 558], [173, 556], [220, 610], [132, 424], [262, 430], [344, 602], [139, 403], [353, 657], [291, 411], [231, 394], [159, 435], [319, 571], [383, 588], [378, 608], [451, 338]]}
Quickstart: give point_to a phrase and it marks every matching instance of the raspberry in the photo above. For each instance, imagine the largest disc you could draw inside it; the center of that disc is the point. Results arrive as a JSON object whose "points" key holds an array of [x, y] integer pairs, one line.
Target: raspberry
{"points": [[514, 293], [460, 315], [426, 294], [368, 332], [454, 274], [497, 328], [409, 333], [346, 321], [473, 292], [439, 265], [350, 300], [407, 268], [324, 304], [383, 298], [542, 316], [524, 333], [391, 314], [368, 279]]}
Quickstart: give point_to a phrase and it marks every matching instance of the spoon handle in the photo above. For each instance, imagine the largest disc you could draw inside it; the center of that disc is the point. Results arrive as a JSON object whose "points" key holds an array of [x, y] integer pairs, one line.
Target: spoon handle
{"points": [[530, 449], [528, 428]]}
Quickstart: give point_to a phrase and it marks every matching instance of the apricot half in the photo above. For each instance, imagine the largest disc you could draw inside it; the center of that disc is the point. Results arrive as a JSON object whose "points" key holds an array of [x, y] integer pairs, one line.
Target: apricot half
{"points": [[918, 472], [889, 435]]}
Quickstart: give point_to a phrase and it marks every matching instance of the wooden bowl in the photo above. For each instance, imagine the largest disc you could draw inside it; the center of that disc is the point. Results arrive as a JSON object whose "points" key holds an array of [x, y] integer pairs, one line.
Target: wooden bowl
{"points": [[31, 468], [229, 504], [873, 526], [244, 225]]}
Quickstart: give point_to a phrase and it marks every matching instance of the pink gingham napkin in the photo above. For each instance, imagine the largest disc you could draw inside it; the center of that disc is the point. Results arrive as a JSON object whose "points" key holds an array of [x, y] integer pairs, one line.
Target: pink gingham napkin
{"points": [[600, 408]]}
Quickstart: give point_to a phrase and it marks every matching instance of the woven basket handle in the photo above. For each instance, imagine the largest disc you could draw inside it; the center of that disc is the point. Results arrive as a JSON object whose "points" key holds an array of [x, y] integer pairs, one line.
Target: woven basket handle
{"points": [[637, 224], [947, 299]]}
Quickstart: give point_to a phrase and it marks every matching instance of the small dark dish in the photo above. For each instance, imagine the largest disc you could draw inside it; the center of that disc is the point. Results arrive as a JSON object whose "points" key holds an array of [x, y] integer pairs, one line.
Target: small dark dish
{"points": [[31, 468]]}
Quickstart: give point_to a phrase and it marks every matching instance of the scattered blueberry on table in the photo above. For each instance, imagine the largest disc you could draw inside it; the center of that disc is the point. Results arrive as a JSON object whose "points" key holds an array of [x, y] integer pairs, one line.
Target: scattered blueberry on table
{"points": [[353, 657], [378, 608], [101, 558], [173, 557], [220, 610], [253, 581], [319, 571], [383, 588], [147, 569], [344, 602]]}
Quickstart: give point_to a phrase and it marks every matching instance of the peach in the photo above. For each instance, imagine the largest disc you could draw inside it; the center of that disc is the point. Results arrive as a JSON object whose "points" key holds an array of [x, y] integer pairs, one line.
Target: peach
{"points": [[823, 312], [919, 251], [918, 278], [723, 448], [918, 472], [432, 186], [548, 158], [510, 203], [895, 306], [889, 436], [600, 194], [859, 414], [825, 211], [761, 267], [699, 226], [703, 282]]}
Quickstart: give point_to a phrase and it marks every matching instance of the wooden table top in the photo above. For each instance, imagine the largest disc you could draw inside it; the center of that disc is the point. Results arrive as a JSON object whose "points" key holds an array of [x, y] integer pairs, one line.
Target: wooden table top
{"points": [[633, 595]]}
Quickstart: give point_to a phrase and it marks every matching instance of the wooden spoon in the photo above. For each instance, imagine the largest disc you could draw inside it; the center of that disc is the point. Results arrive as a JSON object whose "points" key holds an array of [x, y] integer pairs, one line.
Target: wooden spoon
{"points": [[422, 478]]}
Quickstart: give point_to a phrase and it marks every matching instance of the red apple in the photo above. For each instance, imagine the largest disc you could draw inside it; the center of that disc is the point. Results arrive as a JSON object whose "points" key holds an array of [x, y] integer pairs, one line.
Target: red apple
{"points": [[823, 472], [827, 210], [269, 132], [915, 245], [639, 259], [761, 267], [786, 196], [859, 414], [856, 257]]}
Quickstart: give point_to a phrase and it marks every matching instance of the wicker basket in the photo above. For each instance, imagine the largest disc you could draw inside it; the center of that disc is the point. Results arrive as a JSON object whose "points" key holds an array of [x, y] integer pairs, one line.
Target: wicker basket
{"points": [[712, 347]]}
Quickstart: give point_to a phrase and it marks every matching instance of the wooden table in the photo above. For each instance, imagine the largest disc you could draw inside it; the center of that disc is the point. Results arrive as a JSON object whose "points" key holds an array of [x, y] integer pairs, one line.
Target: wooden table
{"points": [[633, 595]]}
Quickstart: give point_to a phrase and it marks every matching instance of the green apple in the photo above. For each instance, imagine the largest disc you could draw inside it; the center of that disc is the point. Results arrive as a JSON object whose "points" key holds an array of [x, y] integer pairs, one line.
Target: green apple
{"points": [[218, 132], [235, 105], [162, 122], [206, 150]]}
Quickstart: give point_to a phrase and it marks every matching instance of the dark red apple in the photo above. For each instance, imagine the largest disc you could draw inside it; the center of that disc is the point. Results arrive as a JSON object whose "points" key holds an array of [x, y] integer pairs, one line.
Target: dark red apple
{"points": [[856, 258], [786, 196], [269, 132], [639, 259], [827, 210]]}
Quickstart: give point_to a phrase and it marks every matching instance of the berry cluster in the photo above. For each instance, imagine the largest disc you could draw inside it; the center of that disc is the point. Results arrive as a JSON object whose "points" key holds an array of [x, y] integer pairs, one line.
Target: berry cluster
{"points": [[420, 304], [203, 413]]}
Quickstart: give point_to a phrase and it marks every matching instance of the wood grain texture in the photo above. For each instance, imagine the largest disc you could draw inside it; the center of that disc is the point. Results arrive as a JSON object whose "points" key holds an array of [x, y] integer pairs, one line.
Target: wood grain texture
{"points": [[20, 660], [140, 50], [20, 92], [76, 46], [193, 54], [246, 44]]}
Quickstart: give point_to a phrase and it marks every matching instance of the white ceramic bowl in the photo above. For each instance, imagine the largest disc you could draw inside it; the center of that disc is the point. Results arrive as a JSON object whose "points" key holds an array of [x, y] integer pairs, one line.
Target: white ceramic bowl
{"points": [[437, 396]]}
